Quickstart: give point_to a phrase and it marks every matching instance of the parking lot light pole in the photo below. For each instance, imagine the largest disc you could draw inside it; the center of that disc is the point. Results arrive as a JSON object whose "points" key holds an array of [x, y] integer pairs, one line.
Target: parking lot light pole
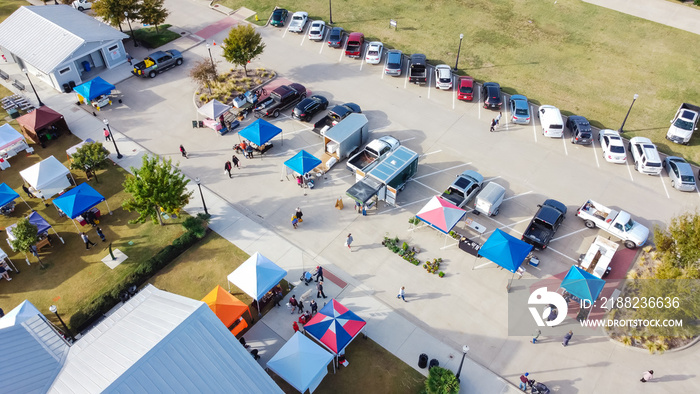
{"points": [[54, 310], [213, 66], [126, 14], [111, 136], [636, 96], [330, 10], [461, 37], [24, 70], [204, 204], [465, 350]]}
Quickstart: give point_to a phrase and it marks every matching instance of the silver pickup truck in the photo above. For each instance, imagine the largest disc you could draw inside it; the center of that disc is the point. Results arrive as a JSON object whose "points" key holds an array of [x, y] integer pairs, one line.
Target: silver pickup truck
{"points": [[157, 62]]}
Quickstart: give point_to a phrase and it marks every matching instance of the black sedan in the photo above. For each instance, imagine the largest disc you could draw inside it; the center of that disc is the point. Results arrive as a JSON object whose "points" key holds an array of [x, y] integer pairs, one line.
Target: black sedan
{"points": [[309, 107], [335, 38], [491, 92]]}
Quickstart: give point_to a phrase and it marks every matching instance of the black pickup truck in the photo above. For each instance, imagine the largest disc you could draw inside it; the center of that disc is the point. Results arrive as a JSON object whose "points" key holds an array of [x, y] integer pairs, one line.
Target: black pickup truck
{"points": [[545, 223], [157, 62], [417, 73], [283, 97]]}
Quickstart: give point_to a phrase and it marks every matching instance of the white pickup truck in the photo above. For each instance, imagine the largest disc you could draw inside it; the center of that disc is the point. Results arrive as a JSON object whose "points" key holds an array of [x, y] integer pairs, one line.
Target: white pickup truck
{"points": [[373, 153], [619, 224], [683, 124]]}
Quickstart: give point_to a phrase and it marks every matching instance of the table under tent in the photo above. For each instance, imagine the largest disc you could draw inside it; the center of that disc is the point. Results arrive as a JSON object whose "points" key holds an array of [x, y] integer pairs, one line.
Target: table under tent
{"points": [[42, 230], [303, 164], [256, 277], [215, 113], [506, 251], [259, 134], [96, 91], [47, 178], [7, 199], [301, 363], [11, 144], [43, 125], [80, 203], [228, 309]]}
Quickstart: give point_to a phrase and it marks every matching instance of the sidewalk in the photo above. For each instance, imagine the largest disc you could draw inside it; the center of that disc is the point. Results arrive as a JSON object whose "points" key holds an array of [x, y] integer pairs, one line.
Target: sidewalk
{"points": [[660, 11], [385, 325]]}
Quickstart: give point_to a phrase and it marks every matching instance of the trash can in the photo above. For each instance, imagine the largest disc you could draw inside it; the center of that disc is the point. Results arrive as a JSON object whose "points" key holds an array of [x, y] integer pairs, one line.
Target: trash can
{"points": [[86, 65], [422, 361], [14, 113], [71, 84], [433, 363], [67, 88]]}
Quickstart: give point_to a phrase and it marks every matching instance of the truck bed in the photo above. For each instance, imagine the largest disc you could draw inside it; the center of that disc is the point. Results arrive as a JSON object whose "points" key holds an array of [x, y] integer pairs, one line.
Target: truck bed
{"points": [[455, 196], [539, 234], [362, 160]]}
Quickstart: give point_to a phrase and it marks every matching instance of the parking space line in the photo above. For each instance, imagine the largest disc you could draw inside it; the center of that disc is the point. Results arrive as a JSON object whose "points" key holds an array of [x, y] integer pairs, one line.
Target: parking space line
{"points": [[563, 141], [286, 152], [323, 40], [664, 185], [303, 33], [362, 61], [562, 254], [285, 32], [407, 204], [429, 82], [437, 172], [517, 195], [490, 179], [478, 94], [424, 185], [384, 68], [342, 50], [534, 127], [503, 225], [401, 141], [430, 153], [629, 170], [405, 81], [595, 154], [566, 235], [454, 91]]}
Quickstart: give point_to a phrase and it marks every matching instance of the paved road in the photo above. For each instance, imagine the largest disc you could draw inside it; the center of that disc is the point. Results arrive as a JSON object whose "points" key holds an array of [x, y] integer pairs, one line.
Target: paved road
{"points": [[468, 306], [660, 11]]}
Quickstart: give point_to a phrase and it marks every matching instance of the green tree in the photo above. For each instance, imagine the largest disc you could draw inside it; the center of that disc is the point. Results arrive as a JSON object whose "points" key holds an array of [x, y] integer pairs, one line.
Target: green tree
{"points": [[242, 45], [153, 12], [441, 381], [156, 185], [26, 237], [112, 11], [204, 73], [677, 248], [89, 158]]}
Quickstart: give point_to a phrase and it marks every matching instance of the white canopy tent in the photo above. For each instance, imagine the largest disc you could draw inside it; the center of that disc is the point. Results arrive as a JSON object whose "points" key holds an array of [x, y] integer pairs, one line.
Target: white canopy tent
{"points": [[213, 109], [47, 178], [11, 141], [3, 256]]}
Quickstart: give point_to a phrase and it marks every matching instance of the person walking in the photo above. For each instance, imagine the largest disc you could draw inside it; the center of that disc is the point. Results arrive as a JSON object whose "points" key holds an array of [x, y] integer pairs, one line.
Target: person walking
{"points": [[108, 136], [235, 160], [299, 214], [183, 152], [295, 222], [300, 306], [536, 336], [86, 240], [293, 303], [319, 273], [295, 326], [129, 59], [249, 151], [402, 293], [227, 168], [647, 376], [348, 241], [320, 292], [498, 118], [99, 232], [314, 306], [493, 125], [523, 381], [26, 190], [567, 338]]}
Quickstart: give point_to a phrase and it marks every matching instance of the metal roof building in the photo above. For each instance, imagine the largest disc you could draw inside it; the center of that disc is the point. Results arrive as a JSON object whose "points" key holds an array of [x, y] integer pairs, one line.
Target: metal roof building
{"points": [[62, 45]]}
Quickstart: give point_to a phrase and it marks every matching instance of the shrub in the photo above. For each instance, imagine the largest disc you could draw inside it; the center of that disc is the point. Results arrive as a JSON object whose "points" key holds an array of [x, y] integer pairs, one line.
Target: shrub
{"points": [[441, 274]]}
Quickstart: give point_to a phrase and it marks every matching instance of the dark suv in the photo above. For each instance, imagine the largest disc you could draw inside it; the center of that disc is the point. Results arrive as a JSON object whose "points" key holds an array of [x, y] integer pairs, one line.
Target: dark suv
{"points": [[491, 92], [581, 132], [309, 107]]}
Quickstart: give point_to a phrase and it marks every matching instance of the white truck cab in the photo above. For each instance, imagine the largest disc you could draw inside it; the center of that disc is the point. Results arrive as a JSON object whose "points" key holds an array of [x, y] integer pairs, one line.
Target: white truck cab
{"points": [[82, 5]]}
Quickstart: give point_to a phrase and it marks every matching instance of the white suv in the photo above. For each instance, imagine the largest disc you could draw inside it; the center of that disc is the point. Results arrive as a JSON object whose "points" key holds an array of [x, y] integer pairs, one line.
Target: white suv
{"points": [[646, 157], [443, 77]]}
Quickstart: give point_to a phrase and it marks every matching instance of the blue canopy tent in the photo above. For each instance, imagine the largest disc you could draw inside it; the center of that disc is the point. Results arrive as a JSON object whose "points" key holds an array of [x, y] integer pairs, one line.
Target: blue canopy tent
{"points": [[78, 200], [302, 162], [301, 362], [506, 251], [7, 195], [260, 132], [42, 226], [256, 276], [582, 284], [94, 88]]}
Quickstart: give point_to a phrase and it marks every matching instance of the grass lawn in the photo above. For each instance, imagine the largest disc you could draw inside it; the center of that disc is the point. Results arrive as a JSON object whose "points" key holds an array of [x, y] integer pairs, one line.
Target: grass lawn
{"points": [[153, 39], [74, 275], [372, 369], [7, 7], [584, 59]]}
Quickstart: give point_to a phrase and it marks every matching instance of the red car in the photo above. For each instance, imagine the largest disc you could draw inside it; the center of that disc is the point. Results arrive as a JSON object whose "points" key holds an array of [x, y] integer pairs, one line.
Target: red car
{"points": [[466, 88], [354, 46]]}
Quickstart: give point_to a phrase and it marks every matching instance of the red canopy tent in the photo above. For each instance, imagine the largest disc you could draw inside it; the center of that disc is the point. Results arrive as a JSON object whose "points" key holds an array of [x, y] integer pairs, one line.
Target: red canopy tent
{"points": [[42, 124]]}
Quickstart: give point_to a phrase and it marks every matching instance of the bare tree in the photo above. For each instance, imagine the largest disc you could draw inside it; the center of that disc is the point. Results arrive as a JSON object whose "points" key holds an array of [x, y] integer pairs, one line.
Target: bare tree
{"points": [[203, 73]]}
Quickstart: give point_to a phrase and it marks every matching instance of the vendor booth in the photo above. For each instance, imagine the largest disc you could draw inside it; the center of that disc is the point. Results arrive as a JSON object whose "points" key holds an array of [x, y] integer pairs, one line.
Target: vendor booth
{"points": [[7, 199], [441, 215], [42, 230], [11, 143], [256, 277], [42, 125], [259, 133], [506, 251], [47, 178], [302, 164], [301, 362], [335, 326], [79, 204], [228, 309], [95, 91], [214, 112], [3, 257]]}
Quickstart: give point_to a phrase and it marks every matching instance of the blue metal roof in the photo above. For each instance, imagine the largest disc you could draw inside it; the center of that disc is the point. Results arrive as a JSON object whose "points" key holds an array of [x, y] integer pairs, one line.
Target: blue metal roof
{"points": [[392, 164]]}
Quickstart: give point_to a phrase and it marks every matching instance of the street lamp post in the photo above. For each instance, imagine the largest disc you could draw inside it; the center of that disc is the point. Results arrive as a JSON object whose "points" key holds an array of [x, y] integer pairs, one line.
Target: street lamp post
{"points": [[199, 185], [636, 96], [213, 66], [330, 10], [126, 14], [461, 36], [24, 70], [111, 136], [54, 310], [465, 350]]}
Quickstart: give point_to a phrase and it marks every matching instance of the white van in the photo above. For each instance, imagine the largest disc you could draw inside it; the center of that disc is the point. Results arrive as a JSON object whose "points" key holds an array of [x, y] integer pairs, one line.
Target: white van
{"points": [[646, 157], [489, 200], [551, 121]]}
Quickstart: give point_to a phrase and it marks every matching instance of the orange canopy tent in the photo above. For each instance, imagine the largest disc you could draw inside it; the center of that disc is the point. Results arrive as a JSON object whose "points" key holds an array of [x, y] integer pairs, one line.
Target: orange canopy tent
{"points": [[228, 309]]}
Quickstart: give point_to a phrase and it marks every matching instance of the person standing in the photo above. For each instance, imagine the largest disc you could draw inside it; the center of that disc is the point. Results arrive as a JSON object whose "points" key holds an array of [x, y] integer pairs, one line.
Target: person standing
{"points": [[183, 152], [402, 293], [293, 303], [536, 336], [295, 326], [314, 306], [647, 376], [99, 232], [129, 59], [26, 190], [498, 118], [348, 241], [320, 292], [493, 125], [524, 381], [249, 151], [567, 338], [227, 168], [86, 240], [3, 271], [300, 306], [299, 214], [234, 160], [319, 273], [108, 137]]}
